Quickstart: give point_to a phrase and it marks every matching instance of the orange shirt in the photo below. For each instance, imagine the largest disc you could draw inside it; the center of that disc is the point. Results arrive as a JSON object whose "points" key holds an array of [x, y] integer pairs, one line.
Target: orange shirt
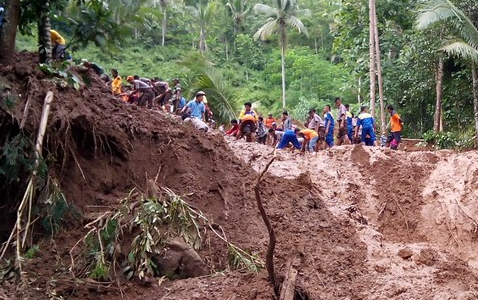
{"points": [[269, 122], [395, 122], [248, 118], [309, 134]]}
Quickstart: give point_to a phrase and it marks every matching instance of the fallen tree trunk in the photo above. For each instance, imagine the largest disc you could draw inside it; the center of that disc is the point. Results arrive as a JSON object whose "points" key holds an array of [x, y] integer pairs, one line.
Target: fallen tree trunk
{"points": [[288, 286], [270, 229]]}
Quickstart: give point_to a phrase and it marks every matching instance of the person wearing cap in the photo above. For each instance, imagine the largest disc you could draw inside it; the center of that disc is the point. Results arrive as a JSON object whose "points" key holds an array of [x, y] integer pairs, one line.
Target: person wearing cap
{"points": [[195, 108], [286, 121], [164, 94], [147, 94], [342, 135], [58, 45], [177, 92], [269, 120], [116, 83], [367, 123], [329, 127]]}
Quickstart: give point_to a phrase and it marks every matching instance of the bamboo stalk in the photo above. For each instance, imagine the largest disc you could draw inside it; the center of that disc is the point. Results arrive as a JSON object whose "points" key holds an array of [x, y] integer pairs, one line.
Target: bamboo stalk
{"points": [[38, 155], [28, 196]]}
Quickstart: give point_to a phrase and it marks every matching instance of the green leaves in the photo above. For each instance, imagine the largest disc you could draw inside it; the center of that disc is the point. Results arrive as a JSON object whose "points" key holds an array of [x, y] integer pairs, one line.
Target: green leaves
{"points": [[17, 158], [61, 72]]}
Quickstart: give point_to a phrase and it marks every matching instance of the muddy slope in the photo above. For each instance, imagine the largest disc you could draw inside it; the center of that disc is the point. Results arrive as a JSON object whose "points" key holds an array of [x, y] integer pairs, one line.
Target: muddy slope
{"points": [[100, 150]]}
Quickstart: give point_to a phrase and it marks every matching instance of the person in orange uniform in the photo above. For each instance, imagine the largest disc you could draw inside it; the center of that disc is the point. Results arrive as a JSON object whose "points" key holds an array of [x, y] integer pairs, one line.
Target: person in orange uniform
{"points": [[269, 121], [311, 137], [116, 83], [396, 125]]}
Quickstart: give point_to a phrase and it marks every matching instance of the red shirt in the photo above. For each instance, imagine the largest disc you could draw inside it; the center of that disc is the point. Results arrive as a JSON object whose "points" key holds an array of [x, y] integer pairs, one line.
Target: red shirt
{"points": [[233, 131]]}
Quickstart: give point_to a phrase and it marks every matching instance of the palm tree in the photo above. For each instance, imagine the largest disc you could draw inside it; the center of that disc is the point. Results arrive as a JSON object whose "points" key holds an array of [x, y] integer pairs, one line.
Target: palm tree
{"points": [[285, 13], [466, 43], [238, 9], [203, 14]]}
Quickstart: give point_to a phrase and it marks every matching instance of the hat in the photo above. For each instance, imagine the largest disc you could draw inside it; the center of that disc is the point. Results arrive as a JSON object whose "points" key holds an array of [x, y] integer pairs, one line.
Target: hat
{"points": [[200, 93], [84, 60], [129, 78]]}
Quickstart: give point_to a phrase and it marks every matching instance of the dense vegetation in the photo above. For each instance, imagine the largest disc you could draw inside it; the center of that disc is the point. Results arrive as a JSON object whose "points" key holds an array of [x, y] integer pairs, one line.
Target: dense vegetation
{"points": [[184, 38]]}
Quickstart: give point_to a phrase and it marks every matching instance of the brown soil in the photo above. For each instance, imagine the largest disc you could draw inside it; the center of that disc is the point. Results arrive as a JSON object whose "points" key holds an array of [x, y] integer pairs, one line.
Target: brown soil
{"points": [[325, 209]]}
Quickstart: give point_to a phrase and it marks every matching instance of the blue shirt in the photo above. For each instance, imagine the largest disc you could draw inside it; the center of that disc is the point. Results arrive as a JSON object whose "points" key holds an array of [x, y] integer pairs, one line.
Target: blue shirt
{"points": [[182, 102], [349, 119], [365, 120], [197, 109], [328, 118]]}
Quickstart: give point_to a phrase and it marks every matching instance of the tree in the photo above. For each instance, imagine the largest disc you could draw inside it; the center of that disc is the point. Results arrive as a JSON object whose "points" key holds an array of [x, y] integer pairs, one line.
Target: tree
{"points": [[238, 9], [284, 14], [44, 27], [8, 31], [373, 75], [464, 46], [203, 14]]}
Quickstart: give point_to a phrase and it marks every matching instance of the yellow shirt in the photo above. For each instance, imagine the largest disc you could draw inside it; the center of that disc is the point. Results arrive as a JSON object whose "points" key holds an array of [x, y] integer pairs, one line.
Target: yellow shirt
{"points": [[251, 112], [116, 86], [56, 38]]}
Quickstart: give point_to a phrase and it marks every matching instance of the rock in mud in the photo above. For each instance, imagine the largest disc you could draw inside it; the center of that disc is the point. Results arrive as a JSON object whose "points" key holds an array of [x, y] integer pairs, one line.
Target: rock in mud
{"points": [[405, 253], [180, 260]]}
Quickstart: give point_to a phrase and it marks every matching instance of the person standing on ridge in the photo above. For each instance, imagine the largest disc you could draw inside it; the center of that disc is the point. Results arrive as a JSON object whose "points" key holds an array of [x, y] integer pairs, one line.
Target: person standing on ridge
{"points": [[342, 135], [350, 127], [269, 120], [396, 125], [286, 121], [248, 111], [177, 94], [367, 122], [329, 127]]}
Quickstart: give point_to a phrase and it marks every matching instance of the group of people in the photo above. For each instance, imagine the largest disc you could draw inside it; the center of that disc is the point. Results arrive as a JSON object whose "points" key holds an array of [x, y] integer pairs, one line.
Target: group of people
{"points": [[319, 129], [318, 132]]}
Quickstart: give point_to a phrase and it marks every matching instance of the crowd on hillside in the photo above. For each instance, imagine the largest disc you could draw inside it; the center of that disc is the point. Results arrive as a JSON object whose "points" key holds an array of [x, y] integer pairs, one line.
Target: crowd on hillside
{"points": [[319, 131]]}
